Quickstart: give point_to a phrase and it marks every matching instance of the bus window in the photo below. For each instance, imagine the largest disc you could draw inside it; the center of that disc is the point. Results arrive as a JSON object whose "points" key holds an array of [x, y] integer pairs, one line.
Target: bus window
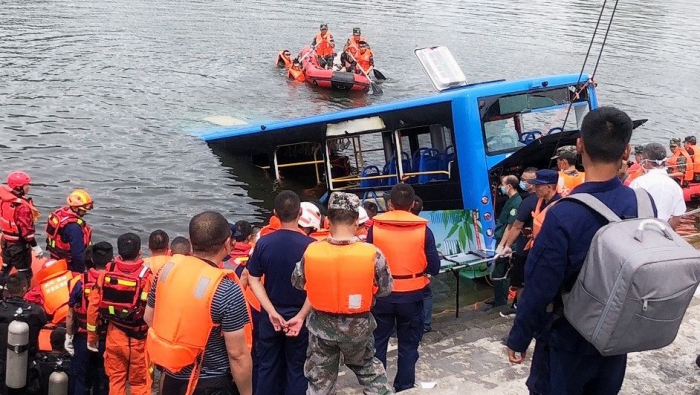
{"points": [[432, 153], [370, 159]]}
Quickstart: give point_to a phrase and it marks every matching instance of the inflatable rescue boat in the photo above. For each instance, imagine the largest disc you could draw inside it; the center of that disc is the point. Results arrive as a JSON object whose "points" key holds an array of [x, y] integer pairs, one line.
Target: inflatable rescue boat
{"points": [[330, 79]]}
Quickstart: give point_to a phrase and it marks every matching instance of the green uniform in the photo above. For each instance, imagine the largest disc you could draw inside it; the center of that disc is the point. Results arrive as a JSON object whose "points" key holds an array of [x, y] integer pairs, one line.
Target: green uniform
{"points": [[331, 335], [507, 217]]}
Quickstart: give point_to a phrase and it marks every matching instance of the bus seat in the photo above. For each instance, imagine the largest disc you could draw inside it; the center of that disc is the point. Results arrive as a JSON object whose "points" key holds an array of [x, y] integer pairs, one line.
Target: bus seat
{"points": [[445, 159], [426, 159], [391, 168], [370, 171]]}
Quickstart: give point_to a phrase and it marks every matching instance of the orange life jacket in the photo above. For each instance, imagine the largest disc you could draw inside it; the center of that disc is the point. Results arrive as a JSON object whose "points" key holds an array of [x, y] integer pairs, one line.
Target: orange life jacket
{"points": [[58, 248], [296, 75], [340, 278], [320, 234], [8, 206], [363, 59], [672, 163], [124, 290], [274, 225], [400, 235], [567, 182], [45, 339], [89, 279], [633, 172], [323, 44], [287, 62], [537, 220], [354, 45], [55, 285], [232, 265], [182, 316], [696, 154], [156, 262], [248, 328]]}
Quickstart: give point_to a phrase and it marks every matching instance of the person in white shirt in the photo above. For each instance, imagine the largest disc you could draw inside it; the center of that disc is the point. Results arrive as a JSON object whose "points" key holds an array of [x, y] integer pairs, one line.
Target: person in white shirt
{"points": [[667, 194]]}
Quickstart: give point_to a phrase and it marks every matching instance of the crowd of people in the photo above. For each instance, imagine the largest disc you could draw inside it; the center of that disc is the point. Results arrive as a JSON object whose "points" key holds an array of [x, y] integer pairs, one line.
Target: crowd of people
{"points": [[355, 57]]}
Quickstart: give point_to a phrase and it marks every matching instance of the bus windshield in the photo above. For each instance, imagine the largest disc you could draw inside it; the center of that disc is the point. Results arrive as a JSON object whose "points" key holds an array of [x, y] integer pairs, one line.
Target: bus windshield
{"points": [[514, 120]]}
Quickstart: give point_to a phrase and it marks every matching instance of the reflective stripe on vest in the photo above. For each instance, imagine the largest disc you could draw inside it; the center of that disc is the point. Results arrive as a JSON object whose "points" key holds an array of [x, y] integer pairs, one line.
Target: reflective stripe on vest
{"points": [[340, 278], [58, 248], [400, 235]]}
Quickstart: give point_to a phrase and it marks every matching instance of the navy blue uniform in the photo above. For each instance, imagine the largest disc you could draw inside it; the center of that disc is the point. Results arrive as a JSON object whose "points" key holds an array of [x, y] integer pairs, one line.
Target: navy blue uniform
{"points": [[563, 361], [73, 234], [280, 358], [403, 311]]}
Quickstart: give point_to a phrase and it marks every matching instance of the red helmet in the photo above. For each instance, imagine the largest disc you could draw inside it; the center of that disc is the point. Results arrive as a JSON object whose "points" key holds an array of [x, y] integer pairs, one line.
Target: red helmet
{"points": [[18, 179]]}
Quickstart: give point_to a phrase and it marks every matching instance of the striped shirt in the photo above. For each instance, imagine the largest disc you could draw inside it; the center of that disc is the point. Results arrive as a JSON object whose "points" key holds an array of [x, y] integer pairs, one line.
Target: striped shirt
{"points": [[228, 308]]}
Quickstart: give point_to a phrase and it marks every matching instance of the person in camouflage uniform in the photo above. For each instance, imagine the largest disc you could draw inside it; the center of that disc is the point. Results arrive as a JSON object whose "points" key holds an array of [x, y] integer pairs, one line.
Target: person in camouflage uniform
{"points": [[678, 162], [331, 335]]}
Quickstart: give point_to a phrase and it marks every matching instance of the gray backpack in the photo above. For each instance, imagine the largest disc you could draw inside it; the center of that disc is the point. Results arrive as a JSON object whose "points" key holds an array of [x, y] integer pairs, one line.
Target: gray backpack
{"points": [[638, 279]]}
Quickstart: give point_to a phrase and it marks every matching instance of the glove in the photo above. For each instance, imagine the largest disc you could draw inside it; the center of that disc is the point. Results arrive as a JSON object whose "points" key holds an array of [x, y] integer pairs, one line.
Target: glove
{"points": [[68, 345], [38, 252], [92, 347]]}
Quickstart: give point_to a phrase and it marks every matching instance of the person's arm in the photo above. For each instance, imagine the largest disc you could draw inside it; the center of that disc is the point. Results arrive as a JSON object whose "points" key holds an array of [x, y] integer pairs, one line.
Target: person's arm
{"points": [[25, 223], [255, 272], [293, 326], [313, 43], [74, 237], [75, 299], [93, 316], [240, 361], [680, 165], [382, 276], [678, 209], [151, 303], [431, 253], [229, 309], [544, 274], [371, 64], [511, 234]]}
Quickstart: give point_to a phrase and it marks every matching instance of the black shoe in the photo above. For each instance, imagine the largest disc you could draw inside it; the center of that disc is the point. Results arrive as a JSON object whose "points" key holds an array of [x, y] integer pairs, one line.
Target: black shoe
{"points": [[508, 312], [427, 329]]}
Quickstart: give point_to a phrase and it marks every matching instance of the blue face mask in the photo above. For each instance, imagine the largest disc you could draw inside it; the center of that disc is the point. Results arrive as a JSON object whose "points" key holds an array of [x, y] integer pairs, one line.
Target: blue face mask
{"points": [[503, 190], [523, 185]]}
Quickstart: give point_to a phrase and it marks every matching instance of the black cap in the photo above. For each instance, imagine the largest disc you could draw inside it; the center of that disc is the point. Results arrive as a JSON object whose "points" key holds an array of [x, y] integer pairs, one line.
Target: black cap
{"points": [[690, 139], [324, 25], [356, 31]]}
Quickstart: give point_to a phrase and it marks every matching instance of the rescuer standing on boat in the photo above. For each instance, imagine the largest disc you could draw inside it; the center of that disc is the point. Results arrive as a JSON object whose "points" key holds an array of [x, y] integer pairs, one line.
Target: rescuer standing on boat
{"points": [[325, 46], [409, 247], [694, 152], [680, 165], [67, 233], [17, 216], [340, 321]]}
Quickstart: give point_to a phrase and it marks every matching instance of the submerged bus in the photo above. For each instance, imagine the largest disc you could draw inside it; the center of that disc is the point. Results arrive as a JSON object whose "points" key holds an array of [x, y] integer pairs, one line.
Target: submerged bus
{"points": [[452, 147]]}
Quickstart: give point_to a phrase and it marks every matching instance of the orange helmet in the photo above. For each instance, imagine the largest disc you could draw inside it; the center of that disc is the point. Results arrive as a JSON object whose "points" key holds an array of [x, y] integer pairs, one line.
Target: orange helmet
{"points": [[80, 199], [50, 269]]}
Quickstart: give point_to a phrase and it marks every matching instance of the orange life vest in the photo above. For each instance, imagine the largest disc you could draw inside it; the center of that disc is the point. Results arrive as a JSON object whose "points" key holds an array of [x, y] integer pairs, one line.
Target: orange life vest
{"points": [[287, 62], [45, 339], [567, 182], [296, 75], [89, 279], [155, 263], [58, 248], [340, 278], [354, 45], [56, 283], [633, 172], [232, 265], [400, 235], [274, 225], [320, 234], [248, 328], [672, 163], [323, 44], [8, 206], [124, 290], [363, 59], [696, 154], [182, 316], [537, 220]]}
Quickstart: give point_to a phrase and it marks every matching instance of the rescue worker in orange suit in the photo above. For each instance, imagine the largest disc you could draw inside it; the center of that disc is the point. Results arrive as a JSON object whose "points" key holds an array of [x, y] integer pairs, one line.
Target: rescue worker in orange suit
{"points": [[311, 221], [119, 297], [296, 72], [282, 340], [363, 60], [180, 246], [13, 307], [569, 177], [158, 243], [67, 233], [680, 164], [17, 216], [52, 292], [694, 152], [341, 276], [325, 46], [197, 315], [87, 366], [409, 247], [284, 59], [352, 46], [636, 170]]}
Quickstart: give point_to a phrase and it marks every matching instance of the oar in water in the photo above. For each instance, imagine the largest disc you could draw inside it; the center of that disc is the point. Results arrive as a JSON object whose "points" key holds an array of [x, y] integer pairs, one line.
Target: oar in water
{"points": [[376, 90], [378, 74]]}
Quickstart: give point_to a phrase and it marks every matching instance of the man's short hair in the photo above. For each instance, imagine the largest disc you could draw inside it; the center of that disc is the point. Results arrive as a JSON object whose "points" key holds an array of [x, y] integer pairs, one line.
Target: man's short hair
{"points": [[129, 246], [690, 139], [58, 339], [402, 196], [511, 180], [180, 245], [87, 258], [417, 205], [287, 206], [606, 132], [654, 152], [530, 170], [371, 208], [342, 217], [242, 230], [209, 231], [102, 254], [16, 285], [158, 240]]}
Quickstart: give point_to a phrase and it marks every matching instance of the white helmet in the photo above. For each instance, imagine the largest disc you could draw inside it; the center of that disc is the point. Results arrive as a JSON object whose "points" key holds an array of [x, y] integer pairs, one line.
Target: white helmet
{"points": [[310, 216], [363, 216]]}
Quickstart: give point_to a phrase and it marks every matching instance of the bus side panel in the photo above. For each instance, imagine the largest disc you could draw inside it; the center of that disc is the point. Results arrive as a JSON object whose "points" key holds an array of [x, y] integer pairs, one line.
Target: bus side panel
{"points": [[471, 157]]}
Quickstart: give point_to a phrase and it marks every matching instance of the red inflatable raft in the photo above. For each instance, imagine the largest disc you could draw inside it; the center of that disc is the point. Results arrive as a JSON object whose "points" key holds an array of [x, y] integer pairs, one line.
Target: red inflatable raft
{"points": [[330, 79]]}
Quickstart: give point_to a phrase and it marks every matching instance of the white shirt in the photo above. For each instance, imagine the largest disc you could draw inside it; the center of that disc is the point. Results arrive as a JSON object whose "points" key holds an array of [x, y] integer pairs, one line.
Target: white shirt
{"points": [[667, 194]]}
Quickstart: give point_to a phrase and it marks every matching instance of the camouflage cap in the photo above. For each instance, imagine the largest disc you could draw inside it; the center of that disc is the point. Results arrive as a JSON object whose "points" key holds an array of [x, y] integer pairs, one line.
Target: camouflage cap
{"points": [[638, 149], [566, 151], [675, 142], [344, 201]]}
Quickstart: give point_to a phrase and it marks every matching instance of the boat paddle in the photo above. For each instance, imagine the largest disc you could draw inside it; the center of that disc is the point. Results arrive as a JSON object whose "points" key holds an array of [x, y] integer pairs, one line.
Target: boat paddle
{"points": [[376, 90], [313, 49], [378, 74]]}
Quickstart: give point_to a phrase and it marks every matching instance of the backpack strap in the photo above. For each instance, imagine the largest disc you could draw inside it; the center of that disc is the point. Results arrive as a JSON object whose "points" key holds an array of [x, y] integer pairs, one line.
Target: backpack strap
{"points": [[595, 204], [645, 209]]}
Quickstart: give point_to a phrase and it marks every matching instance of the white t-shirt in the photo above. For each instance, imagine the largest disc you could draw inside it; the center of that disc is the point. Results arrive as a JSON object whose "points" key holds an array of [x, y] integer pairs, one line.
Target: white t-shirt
{"points": [[667, 194]]}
